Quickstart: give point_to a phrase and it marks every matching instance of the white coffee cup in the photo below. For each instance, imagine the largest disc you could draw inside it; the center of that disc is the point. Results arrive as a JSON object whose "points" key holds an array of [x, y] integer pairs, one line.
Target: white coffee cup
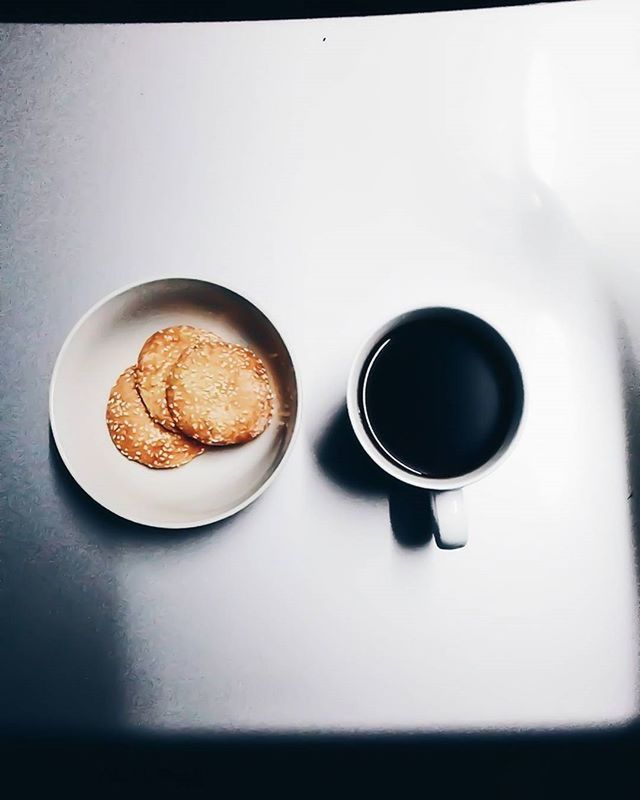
{"points": [[445, 493]]}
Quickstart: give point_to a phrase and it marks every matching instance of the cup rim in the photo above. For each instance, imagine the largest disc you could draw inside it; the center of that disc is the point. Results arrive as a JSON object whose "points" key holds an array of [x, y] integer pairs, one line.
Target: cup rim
{"points": [[422, 481]]}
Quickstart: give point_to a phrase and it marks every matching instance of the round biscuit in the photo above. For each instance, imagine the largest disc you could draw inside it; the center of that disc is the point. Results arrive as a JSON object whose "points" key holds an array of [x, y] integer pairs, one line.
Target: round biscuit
{"points": [[137, 436], [156, 359], [219, 393]]}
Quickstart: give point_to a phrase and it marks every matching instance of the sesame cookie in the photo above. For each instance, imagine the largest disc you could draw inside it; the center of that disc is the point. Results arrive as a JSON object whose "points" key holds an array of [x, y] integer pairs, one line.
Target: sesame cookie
{"points": [[137, 436], [219, 393], [157, 357]]}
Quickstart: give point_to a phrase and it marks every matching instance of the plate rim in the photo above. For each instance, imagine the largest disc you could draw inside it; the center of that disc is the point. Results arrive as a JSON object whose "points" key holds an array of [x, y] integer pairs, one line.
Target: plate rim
{"points": [[173, 525]]}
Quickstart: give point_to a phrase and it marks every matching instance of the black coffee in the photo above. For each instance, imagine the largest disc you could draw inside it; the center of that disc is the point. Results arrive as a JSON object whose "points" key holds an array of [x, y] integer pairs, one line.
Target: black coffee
{"points": [[440, 393]]}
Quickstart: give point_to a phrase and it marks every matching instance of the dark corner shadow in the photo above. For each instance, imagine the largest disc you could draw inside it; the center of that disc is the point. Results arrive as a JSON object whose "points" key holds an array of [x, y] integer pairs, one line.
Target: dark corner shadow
{"points": [[343, 460], [61, 661], [72, 11], [114, 528]]}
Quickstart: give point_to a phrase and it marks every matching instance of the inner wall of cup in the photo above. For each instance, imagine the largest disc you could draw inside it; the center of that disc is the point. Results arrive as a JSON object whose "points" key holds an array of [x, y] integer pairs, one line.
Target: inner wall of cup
{"points": [[395, 467]]}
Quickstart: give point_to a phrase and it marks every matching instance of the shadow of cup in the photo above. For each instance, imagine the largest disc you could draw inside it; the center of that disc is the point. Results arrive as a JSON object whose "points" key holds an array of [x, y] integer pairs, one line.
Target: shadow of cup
{"points": [[346, 464]]}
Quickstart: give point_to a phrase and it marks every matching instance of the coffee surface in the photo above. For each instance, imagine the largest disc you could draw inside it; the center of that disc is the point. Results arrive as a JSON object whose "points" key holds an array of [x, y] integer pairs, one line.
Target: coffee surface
{"points": [[439, 394]]}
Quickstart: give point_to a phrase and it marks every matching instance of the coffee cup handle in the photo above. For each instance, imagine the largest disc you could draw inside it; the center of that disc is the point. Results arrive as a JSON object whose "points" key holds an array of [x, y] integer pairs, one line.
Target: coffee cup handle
{"points": [[451, 518]]}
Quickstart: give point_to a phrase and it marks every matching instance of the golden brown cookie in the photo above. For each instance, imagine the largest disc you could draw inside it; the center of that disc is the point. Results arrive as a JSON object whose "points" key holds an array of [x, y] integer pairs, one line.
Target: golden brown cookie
{"points": [[137, 436], [157, 357], [219, 393]]}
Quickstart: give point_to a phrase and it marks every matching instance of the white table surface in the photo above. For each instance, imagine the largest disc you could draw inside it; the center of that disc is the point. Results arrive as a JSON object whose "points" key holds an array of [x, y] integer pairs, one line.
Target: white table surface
{"points": [[339, 171]]}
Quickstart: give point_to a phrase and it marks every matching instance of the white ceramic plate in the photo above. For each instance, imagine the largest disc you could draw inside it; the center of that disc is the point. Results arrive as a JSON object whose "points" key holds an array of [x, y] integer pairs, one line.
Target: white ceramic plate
{"points": [[107, 340]]}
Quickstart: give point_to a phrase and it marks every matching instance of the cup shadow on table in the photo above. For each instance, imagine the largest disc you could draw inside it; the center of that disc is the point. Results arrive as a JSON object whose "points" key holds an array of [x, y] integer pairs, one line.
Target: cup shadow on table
{"points": [[344, 461]]}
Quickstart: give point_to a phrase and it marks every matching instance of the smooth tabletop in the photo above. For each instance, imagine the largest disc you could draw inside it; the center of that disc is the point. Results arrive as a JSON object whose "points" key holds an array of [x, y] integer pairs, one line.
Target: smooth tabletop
{"points": [[339, 172]]}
